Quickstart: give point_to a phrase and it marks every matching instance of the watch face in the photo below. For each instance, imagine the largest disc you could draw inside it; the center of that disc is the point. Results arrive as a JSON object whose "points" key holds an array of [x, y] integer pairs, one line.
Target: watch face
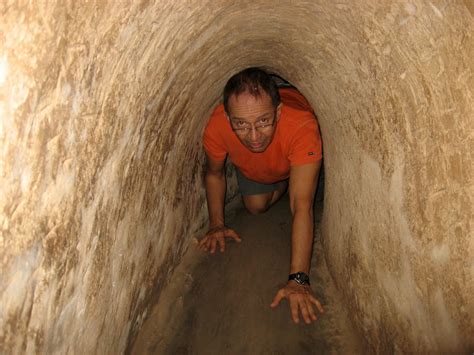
{"points": [[300, 277]]}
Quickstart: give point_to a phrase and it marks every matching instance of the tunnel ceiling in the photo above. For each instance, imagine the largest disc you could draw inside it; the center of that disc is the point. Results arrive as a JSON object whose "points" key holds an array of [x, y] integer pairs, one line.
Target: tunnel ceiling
{"points": [[102, 109]]}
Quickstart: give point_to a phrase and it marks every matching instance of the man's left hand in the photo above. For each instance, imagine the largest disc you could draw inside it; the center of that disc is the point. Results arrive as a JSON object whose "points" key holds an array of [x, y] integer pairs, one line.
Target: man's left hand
{"points": [[301, 299]]}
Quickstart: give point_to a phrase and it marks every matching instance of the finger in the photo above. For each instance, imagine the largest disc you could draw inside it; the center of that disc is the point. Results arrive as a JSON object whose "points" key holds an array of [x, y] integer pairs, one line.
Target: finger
{"points": [[312, 314], [304, 310], [294, 310], [231, 234], [205, 243], [208, 244], [213, 245], [314, 301], [222, 243], [276, 301]]}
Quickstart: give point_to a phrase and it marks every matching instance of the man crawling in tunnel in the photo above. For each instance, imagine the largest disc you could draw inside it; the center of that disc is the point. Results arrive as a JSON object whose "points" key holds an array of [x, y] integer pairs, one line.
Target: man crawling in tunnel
{"points": [[272, 138]]}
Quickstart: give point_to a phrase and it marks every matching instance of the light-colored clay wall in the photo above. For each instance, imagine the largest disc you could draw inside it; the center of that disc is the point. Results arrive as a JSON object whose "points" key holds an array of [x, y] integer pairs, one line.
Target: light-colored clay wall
{"points": [[102, 107]]}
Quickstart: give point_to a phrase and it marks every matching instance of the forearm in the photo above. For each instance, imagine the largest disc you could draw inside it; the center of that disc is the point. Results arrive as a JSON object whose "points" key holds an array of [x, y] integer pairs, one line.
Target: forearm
{"points": [[215, 194], [301, 240]]}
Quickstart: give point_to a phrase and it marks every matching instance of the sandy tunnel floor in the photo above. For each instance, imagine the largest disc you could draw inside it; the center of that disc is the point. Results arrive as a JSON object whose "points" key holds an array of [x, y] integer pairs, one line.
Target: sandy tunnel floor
{"points": [[222, 305]]}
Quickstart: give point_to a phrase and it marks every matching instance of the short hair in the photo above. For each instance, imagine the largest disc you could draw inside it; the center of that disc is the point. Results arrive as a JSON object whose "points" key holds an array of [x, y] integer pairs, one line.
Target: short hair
{"points": [[251, 80]]}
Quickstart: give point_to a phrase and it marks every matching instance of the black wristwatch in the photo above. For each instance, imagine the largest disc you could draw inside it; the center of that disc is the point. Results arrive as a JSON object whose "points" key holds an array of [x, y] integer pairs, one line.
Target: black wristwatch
{"points": [[300, 277]]}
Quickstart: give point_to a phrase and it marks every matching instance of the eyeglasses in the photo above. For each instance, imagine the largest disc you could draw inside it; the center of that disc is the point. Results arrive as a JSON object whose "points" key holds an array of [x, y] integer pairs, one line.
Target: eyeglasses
{"points": [[243, 128]]}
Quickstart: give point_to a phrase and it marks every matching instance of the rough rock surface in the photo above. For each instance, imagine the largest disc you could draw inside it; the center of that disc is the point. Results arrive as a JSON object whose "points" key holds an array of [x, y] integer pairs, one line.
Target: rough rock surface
{"points": [[102, 107]]}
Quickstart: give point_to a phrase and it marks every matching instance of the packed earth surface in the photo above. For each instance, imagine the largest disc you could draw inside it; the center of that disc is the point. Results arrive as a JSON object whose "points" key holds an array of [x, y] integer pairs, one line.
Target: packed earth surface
{"points": [[225, 308]]}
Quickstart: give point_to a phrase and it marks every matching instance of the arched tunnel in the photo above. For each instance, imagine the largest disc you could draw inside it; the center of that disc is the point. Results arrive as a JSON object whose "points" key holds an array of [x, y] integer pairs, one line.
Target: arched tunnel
{"points": [[102, 110]]}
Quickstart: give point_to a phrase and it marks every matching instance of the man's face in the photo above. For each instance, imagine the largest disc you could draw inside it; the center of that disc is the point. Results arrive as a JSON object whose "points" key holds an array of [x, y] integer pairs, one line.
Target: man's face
{"points": [[253, 120]]}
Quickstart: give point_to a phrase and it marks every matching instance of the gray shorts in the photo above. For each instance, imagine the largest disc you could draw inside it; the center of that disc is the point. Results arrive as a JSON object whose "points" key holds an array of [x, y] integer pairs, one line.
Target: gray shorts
{"points": [[250, 187]]}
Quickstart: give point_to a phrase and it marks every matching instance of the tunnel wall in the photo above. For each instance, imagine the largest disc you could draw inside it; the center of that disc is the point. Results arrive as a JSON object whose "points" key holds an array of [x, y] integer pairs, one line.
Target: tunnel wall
{"points": [[101, 170], [102, 110]]}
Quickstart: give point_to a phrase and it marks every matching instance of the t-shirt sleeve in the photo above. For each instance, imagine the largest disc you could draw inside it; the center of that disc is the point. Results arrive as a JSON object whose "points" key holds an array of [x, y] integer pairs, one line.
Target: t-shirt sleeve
{"points": [[213, 142], [306, 146]]}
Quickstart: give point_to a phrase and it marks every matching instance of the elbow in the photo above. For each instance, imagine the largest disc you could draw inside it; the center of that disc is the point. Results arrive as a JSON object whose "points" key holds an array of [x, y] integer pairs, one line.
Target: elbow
{"points": [[214, 175]]}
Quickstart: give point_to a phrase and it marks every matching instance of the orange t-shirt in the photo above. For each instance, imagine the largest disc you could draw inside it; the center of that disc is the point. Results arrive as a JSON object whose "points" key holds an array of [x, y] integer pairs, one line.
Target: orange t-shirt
{"points": [[296, 141]]}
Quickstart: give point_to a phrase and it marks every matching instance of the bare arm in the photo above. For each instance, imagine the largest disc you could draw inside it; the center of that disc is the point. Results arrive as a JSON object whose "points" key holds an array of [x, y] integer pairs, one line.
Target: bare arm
{"points": [[215, 191], [215, 183], [303, 184]]}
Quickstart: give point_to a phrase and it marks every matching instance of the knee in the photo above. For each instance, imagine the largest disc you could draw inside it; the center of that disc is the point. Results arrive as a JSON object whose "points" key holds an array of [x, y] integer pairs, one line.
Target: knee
{"points": [[256, 210], [256, 207]]}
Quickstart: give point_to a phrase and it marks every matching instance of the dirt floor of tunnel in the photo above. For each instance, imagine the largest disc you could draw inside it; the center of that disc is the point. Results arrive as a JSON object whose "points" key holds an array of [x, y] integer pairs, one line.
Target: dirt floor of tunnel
{"points": [[220, 304]]}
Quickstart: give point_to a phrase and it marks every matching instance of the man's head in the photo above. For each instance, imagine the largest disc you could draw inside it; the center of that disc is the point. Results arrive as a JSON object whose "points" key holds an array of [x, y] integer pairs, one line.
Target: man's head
{"points": [[252, 104]]}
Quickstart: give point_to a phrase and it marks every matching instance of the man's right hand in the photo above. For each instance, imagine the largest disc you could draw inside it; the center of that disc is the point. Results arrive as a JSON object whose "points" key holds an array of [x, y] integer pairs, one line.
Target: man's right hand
{"points": [[217, 235]]}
